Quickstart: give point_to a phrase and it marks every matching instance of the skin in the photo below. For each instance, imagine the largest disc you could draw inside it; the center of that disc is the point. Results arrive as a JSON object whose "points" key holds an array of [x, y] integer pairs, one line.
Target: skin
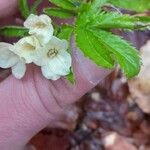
{"points": [[29, 105]]}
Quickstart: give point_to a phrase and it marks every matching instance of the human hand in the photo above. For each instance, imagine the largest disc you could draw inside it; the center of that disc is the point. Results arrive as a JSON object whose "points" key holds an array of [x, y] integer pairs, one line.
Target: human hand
{"points": [[29, 105]]}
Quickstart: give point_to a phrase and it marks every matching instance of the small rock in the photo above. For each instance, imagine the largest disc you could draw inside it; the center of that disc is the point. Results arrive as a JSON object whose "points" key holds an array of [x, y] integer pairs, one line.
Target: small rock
{"points": [[115, 142], [140, 86]]}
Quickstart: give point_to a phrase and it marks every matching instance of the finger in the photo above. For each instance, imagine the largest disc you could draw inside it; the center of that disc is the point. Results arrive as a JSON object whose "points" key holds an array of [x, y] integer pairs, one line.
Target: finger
{"points": [[7, 7], [22, 115]]}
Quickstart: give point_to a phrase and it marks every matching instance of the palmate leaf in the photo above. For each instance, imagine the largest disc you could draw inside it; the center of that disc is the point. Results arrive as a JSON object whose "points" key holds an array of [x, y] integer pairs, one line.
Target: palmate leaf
{"points": [[65, 4], [126, 55], [118, 49], [58, 12], [13, 31], [135, 5]]}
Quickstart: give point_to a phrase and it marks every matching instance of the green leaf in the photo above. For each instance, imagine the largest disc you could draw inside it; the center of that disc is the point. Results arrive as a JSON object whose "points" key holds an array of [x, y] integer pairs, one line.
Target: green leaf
{"points": [[65, 4], [13, 31], [65, 32], [34, 6], [76, 3], [126, 55], [24, 8], [93, 48], [97, 4], [58, 12], [71, 77], [135, 5], [114, 20], [145, 19]]}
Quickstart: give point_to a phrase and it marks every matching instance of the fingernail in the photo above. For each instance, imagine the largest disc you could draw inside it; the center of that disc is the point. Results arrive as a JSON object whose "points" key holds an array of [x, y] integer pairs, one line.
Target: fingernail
{"points": [[90, 70]]}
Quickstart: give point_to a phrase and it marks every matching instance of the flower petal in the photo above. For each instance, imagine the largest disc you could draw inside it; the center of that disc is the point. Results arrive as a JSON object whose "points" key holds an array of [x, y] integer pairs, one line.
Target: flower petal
{"points": [[44, 36], [48, 73], [26, 48], [65, 58], [33, 19], [40, 26], [7, 58], [19, 69], [60, 65], [58, 43]]}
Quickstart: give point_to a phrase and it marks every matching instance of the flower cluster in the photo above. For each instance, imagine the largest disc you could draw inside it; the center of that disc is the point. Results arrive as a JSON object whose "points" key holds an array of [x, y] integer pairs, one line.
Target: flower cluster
{"points": [[40, 48]]}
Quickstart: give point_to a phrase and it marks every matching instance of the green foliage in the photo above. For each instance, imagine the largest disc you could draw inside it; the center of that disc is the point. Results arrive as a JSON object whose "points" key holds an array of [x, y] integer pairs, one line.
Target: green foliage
{"points": [[58, 12], [34, 7], [13, 31], [93, 48], [144, 19], [71, 77], [65, 32], [113, 20], [24, 8], [76, 3], [135, 5], [96, 5], [123, 52], [65, 4], [100, 45], [104, 48]]}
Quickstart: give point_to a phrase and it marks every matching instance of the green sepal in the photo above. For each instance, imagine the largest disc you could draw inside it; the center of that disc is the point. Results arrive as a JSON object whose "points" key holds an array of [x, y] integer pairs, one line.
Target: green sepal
{"points": [[71, 77]]}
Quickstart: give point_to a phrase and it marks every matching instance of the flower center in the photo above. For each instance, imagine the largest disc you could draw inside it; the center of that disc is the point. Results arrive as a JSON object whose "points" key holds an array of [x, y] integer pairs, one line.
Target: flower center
{"points": [[39, 25], [52, 53], [29, 47]]}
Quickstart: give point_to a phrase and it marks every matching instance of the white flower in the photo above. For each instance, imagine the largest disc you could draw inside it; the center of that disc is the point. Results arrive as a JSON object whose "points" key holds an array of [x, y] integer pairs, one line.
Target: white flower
{"points": [[26, 48], [54, 60], [40, 26], [9, 59]]}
